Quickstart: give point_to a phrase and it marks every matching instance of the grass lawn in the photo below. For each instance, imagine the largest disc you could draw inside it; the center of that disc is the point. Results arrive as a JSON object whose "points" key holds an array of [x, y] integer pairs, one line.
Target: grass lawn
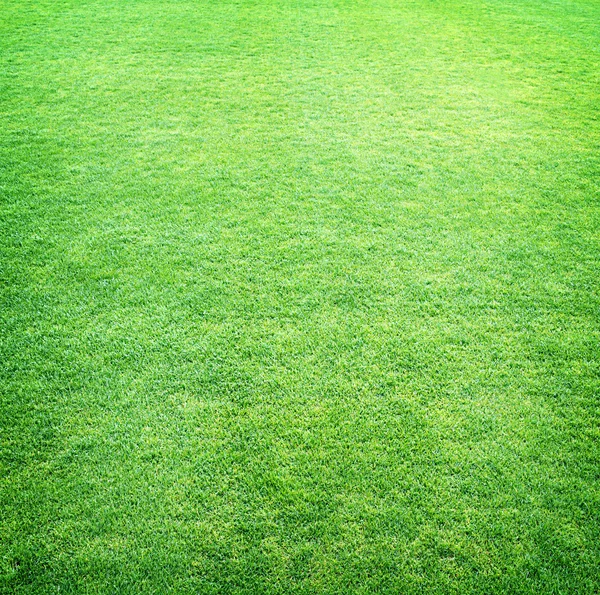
{"points": [[300, 297]]}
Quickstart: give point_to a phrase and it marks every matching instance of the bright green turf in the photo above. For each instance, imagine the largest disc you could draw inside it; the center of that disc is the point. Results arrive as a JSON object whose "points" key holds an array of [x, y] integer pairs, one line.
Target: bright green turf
{"points": [[300, 296]]}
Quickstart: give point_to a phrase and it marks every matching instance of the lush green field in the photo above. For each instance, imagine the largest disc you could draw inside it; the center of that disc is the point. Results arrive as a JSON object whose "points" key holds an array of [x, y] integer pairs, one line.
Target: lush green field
{"points": [[300, 296]]}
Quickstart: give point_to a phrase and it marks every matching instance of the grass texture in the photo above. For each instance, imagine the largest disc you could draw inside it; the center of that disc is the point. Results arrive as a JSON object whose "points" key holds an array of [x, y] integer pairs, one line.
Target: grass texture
{"points": [[300, 296]]}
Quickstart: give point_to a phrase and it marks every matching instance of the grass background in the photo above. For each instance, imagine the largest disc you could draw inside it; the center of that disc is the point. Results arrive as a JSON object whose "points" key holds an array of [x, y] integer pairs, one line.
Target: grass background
{"points": [[300, 296]]}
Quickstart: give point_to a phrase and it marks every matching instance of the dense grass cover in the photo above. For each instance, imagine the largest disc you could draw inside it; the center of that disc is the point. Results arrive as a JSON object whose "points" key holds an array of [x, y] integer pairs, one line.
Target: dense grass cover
{"points": [[300, 296]]}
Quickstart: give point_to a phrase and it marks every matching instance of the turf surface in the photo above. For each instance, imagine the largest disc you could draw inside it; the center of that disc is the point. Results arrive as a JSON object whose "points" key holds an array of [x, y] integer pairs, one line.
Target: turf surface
{"points": [[300, 296]]}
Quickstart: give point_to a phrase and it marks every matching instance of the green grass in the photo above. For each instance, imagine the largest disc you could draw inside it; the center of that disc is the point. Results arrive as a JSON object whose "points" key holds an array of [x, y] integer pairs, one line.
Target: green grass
{"points": [[300, 296]]}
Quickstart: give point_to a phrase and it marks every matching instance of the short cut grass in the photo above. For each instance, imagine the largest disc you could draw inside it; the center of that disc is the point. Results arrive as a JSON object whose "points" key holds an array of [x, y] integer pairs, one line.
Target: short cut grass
{"points": [[300, 297]]}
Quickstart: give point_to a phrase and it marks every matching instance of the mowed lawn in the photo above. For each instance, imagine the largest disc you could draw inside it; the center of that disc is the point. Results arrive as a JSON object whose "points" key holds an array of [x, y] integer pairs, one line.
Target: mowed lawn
{"points": [[300, 297]]}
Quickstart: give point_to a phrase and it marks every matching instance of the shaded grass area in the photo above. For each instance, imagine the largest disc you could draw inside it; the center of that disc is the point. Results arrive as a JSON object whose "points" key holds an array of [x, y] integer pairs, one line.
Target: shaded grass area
{"points": [[299, 297]]}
